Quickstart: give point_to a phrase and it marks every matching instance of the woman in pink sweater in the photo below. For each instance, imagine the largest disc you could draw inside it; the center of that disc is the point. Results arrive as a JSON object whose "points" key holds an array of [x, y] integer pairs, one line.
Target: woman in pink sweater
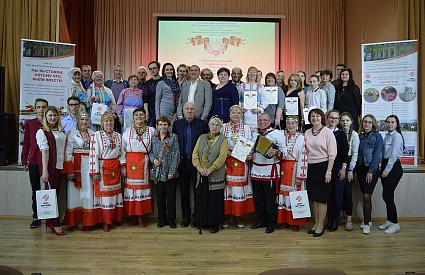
{"points": [[321, 150]]}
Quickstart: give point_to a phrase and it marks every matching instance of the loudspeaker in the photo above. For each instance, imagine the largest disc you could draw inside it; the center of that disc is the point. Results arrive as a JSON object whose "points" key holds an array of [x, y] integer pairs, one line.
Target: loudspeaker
{"points": [[8, 139], [2, 80]]}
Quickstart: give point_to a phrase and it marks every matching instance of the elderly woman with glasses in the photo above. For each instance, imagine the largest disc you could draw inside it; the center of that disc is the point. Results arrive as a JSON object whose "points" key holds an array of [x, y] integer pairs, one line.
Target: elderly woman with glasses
{"points": [[209, 157]]}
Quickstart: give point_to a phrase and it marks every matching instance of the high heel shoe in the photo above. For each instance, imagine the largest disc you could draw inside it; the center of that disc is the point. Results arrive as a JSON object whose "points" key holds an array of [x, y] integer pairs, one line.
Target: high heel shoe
{"points": [[55, 231], [318, 234], [105, 227]]}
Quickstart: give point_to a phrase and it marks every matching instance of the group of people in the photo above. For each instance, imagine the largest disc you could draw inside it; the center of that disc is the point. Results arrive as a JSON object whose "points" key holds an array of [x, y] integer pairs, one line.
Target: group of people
{"points": [[173, 130]]}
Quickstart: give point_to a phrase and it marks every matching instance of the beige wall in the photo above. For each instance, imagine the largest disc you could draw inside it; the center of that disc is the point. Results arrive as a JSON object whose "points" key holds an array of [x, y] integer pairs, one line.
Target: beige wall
{"points": [[379, 20]]}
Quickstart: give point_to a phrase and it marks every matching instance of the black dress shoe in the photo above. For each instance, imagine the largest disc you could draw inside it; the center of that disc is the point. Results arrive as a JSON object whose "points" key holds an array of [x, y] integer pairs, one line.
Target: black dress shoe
{"points": [[185, 223], [269, 230], [214, 229], [311, 231], [257, 225], [328, 225], [173, 225], [318, 234], [334, 226], [161, 224]]}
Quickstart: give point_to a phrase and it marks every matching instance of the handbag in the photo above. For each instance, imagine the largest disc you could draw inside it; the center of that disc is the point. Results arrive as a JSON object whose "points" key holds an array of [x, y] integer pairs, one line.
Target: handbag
{"points": [[47, 204], [299, 204]]}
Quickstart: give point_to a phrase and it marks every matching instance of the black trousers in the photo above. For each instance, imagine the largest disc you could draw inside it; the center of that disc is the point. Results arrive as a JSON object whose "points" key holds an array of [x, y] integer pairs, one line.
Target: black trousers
{"points": [[389, 185], [187, 175], [166, 200], [35, 185], [265, 202]]}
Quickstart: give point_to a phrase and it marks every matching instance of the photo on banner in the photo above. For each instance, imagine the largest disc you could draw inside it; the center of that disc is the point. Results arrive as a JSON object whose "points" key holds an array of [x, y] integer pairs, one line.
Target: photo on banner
{"points": [[45, 70], [390, 86]]}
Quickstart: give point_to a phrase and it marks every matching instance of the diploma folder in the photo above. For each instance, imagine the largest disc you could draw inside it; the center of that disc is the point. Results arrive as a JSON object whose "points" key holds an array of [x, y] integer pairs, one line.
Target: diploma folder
{"points": [[262, 145]]}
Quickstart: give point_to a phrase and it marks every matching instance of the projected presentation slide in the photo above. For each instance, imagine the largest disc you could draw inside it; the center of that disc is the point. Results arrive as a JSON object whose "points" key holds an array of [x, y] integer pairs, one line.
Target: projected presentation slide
{"points": [[214, 44]]}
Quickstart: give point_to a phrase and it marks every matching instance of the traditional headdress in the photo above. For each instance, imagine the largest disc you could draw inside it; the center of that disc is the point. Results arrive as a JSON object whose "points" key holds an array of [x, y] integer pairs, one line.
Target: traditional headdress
{"points": [[235, 107], [83, 114], [292, 118], [107, 116], [96, 73], [73, 71]]}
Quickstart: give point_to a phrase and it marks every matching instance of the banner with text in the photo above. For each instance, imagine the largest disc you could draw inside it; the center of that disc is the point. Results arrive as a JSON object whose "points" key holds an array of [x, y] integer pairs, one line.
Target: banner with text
{"points": [[389, 77], [45, 70]]}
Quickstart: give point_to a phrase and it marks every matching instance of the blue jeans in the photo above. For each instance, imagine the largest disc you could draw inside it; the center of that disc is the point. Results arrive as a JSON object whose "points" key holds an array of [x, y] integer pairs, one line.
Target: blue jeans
{"points": [[335, 205]]}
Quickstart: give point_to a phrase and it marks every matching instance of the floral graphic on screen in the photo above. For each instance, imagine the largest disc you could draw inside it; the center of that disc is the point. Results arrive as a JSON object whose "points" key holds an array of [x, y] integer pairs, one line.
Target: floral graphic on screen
{"points": [[215, 47]]}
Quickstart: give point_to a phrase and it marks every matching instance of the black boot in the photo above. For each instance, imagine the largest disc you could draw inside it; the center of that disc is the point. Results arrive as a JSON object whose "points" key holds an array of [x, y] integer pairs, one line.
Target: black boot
{"points": [[334, 226]]}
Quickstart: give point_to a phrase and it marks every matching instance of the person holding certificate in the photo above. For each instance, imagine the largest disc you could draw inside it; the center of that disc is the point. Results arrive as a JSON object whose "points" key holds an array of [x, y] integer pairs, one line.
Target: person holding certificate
{"points": [[321, 150], [294, 98], [238, 199], [274, 109], [251, 98], [269, 150], [293, 171]]}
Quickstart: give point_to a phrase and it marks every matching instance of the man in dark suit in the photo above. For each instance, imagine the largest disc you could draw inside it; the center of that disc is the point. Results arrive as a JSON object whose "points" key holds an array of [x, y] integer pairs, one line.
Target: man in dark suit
{"points": [[188, 131], [198, 91]]}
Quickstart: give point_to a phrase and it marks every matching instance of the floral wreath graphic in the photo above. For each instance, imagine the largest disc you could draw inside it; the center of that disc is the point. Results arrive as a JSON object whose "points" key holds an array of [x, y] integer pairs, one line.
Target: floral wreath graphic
{"points": [[215, 47]]}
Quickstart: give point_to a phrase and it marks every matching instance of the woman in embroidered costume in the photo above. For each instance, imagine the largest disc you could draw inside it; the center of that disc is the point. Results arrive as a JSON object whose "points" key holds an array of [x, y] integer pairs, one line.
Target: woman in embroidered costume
{"points": [[98, 93], [105, 155], [165, 156], [80, 188], [293, 173], [130, 99], [51, 141], [238, 191], [209, 156], [75, 88], [136, 144]]}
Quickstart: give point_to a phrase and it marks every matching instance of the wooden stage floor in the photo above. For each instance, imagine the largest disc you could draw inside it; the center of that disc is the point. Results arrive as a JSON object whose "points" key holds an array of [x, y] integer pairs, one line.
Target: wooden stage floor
{"points": [[135, 250]]}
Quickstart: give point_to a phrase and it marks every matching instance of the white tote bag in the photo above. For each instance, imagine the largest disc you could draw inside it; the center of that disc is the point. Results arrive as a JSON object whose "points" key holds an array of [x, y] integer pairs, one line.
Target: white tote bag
{"points": [[299, 204], [47, 204], [97, 111]]}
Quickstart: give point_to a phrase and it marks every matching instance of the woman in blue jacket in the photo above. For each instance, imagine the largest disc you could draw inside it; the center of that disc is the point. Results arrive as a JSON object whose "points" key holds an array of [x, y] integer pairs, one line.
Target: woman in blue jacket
{"points": [[370, 152]]}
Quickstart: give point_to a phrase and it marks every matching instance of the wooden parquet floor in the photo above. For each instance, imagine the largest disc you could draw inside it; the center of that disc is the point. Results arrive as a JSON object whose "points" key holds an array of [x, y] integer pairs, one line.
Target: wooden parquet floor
{"points": [[135, 250]]}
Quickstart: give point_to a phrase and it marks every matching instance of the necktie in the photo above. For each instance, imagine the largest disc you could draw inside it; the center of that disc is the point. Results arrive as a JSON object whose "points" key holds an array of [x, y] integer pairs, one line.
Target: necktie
{"points": [[189, 139]]}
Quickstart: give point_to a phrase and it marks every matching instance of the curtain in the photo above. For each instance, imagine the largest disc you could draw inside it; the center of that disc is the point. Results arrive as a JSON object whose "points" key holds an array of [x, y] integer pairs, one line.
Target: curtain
{"points": [[312, 34], [31, 19], [411, 25]]}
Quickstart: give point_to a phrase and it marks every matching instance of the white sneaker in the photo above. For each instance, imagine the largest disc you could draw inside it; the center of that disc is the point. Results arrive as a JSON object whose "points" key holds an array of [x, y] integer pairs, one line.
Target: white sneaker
{"points": [[385, 225], [225, 225], [366, 229], [362, 225], [394, 228]]}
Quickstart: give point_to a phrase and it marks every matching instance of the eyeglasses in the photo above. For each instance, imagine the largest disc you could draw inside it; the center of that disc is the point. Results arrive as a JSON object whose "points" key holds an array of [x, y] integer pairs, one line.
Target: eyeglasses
{"points": [[367, 122]]}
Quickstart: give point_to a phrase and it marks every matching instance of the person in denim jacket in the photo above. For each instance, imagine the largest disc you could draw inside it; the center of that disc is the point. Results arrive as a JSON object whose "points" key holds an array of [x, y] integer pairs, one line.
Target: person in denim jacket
{"points": [[370, 152]]}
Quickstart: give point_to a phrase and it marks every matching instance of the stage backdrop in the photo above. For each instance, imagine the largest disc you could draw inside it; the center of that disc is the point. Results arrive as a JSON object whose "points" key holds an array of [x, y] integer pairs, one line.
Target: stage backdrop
{"points": [[390, 86], [219, 42], [45, 70]]}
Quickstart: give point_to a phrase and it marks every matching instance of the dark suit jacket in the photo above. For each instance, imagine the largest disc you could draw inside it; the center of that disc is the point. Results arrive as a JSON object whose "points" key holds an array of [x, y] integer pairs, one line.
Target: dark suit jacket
{"points": [[203, 99], [199, 127]]}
